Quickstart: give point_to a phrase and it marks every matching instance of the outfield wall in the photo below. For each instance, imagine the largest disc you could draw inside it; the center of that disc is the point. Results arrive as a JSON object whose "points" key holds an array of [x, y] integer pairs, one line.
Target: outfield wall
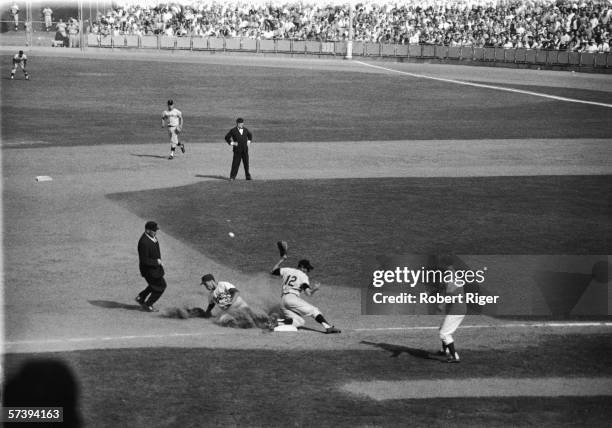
{"points": [[490, 56], [516, 58]]}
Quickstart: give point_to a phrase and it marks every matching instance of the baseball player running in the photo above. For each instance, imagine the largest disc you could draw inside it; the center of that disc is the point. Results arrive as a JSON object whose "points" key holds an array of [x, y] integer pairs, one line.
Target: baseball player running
{"points": [[455, 313], [173, 120], [20, 59], [295, 282]]}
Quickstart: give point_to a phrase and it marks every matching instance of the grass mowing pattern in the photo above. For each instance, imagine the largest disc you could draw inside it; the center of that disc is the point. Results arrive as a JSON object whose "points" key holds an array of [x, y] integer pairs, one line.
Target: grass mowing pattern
{"points": [[344, 223], [120, 102], [200, 387]]}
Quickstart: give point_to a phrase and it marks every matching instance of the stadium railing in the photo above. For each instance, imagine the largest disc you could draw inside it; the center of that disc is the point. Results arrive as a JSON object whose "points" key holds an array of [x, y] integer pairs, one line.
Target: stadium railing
{"points": [[518, 56]]}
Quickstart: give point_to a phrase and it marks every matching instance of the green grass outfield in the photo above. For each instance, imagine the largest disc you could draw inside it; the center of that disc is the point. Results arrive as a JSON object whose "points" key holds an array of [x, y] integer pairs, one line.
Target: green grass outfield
{"points": [[349, 161]]}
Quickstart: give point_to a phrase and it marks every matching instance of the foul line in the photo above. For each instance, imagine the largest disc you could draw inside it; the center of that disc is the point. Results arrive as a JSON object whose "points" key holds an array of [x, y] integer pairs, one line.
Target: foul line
{"points": [[515, 325], [481, 85], [220, 333], [109, 338]]}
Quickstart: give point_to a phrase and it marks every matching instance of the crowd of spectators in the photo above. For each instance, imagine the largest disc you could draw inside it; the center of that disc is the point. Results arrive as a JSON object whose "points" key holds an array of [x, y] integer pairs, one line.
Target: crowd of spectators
{"points": [[583, 26]]}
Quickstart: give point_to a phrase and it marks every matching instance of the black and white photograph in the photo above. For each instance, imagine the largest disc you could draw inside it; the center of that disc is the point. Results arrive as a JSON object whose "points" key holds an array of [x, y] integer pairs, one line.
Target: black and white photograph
{"points": [[330, 213]]}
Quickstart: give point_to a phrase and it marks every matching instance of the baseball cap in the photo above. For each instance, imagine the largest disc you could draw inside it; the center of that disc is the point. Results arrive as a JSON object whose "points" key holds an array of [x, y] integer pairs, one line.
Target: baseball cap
{"points": [[170, 102], [305, 264], [151, 225], [208, 277], [240, 120]]}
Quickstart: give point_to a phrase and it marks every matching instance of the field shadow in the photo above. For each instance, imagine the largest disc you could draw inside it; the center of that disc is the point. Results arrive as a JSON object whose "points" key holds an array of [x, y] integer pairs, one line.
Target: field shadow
{"points": [[216, 177], [109, 304], [314, 330], [148, 156], [397, 350]]}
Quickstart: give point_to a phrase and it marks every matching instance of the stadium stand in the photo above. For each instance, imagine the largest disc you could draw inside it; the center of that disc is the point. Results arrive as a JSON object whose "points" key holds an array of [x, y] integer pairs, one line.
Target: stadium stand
{"points": [[553, 25]]}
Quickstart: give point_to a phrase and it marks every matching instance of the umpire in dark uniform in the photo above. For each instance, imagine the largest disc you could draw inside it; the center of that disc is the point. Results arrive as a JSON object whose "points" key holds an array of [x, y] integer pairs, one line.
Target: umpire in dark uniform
{"points": [[240, 139], [149, 256]]}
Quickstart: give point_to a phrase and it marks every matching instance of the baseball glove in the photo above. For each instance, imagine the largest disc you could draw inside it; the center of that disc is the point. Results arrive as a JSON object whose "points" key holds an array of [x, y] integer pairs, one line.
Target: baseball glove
{"points": [[282, 248], [179, 129]]}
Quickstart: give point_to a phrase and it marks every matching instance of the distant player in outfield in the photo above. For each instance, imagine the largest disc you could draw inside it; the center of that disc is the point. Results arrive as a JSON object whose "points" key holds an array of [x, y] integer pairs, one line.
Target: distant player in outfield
{"points": [[20, 60], [48, 14], [455, 313], [14, 9], [293, 307], [173, 120]]}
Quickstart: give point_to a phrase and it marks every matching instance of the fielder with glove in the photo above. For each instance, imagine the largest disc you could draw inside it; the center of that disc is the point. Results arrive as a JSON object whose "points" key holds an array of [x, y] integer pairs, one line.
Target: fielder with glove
{"points": [[20, 59], [173, 120], [283, 247], [295, 282]]}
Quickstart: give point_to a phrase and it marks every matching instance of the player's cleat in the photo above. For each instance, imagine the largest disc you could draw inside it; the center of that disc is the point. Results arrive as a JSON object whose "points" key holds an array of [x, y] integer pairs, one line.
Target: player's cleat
{"points": [[12, 77], [27, 77], [139, 300], [453, 359], [331, 330], [249, 178], [170, 157], [148, 308], [182, 147]]}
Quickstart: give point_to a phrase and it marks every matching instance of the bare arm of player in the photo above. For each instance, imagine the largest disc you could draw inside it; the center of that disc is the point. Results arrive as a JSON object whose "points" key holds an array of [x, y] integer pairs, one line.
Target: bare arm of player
{"points": [[275, 269], [312, 289], [210, 307]]}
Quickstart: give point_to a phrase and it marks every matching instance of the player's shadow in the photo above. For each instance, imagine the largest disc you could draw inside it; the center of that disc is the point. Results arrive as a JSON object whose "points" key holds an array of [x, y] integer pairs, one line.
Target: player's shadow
{"points": [[109, 304], [216, 177], [311, 329], [397, 350], [148, 156]]}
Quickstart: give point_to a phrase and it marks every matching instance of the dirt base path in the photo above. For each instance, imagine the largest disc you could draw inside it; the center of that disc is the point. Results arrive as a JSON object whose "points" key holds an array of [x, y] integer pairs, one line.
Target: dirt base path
{"points": [[71, 268]]}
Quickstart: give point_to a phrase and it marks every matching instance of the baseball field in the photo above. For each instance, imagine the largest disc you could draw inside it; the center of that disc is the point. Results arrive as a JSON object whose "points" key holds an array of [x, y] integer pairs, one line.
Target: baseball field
{"points": [[350, 160]]}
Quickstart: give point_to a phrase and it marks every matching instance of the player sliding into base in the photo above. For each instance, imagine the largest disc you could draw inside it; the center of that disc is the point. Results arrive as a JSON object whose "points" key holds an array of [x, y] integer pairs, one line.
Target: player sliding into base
{"points": [[234, 310], [222, 294], [295, 282]]}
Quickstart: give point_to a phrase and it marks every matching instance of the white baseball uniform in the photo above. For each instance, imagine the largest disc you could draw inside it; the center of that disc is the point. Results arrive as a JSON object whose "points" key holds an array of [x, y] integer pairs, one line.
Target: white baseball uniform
{"points": [[455, 313], [292, 306], [15, 12], [221, 296], [174, 119], [48, 13], [21, 62]]}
